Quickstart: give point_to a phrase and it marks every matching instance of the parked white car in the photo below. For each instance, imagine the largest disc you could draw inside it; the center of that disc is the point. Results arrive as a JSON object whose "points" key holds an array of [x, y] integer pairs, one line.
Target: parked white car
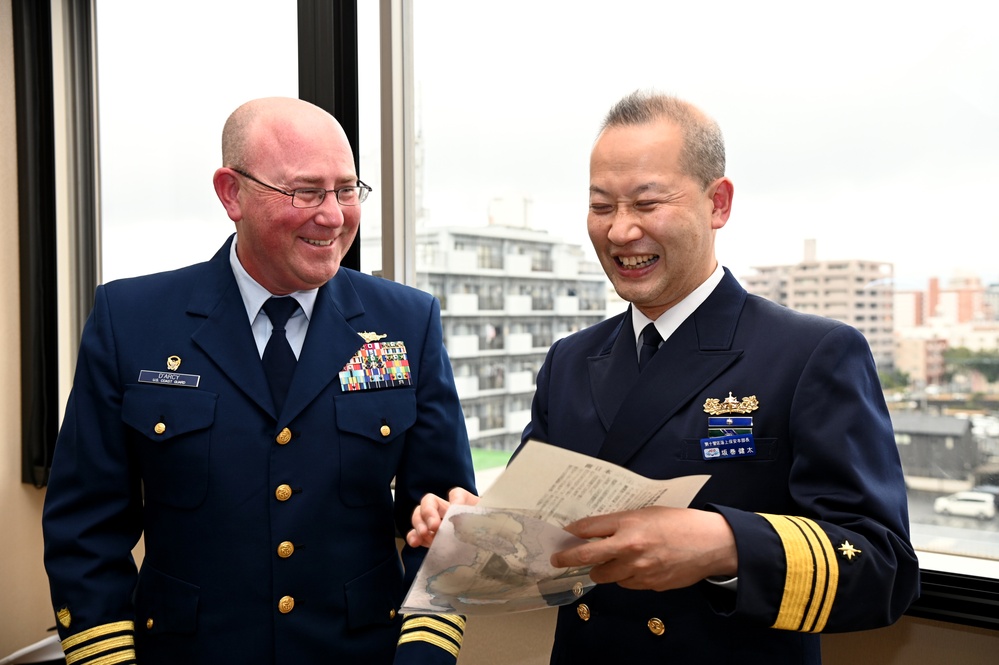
{"points": [[970, 504]]}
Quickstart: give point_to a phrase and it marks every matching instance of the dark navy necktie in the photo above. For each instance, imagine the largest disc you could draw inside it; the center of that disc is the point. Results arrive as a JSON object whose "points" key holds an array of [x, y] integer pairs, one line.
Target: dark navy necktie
{"points": [[651, 339], [279, 359]]}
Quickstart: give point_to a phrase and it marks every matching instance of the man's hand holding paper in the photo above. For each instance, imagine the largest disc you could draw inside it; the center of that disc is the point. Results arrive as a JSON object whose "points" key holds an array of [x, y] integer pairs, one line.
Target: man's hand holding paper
{"points": [[546, 491], [428, 515], [654, 548]]}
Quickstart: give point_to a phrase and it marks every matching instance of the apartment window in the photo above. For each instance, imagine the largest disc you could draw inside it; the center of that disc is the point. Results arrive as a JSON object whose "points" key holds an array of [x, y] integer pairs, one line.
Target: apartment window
{"points": [[490, 254]]}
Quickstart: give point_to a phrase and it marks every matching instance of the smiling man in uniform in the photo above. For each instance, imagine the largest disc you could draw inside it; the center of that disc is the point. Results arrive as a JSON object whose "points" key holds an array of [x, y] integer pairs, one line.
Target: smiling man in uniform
{"points": [[267, 421], [802, 527]]}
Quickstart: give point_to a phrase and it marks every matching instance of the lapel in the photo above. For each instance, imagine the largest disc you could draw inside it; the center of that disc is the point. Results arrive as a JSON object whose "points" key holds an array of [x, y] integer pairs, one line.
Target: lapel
{"points": [[225, 334], [616, 365], [689, 360], [226, 337], [329, 344]]}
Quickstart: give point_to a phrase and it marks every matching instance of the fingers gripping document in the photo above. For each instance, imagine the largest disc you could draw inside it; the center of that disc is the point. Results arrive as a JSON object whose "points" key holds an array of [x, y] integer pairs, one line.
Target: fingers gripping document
{"points": [[493, 558]]}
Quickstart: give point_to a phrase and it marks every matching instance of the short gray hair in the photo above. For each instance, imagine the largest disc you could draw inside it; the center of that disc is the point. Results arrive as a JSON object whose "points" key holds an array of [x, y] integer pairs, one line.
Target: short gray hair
{"points": [[703, 154]]}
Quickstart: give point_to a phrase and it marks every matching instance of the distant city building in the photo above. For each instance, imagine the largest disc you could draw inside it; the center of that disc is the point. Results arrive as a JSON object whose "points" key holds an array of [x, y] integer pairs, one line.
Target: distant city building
{"points": [[991, 299], [927, 323], [961, 301], [938, 453], [921, 358], [506, 293], [853, 291], [909, 309]]}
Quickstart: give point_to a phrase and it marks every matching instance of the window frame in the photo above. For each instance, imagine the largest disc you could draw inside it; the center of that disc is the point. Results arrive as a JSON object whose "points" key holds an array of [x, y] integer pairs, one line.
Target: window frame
{"points": [[968, 600]]}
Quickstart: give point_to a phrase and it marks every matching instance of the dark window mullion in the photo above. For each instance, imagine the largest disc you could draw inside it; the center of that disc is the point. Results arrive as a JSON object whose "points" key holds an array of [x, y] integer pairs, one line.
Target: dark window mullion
{"points": [[327, 72], [36, 180]]}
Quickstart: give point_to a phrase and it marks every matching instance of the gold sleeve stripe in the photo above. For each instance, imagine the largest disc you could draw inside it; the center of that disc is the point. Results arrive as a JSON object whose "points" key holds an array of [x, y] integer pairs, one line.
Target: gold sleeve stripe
{"points": [[97, 631], [115, 658], [798, 580], [102, 647], [430, 638], [827, 572], [812, 574], [456, 619], [435, 624]]}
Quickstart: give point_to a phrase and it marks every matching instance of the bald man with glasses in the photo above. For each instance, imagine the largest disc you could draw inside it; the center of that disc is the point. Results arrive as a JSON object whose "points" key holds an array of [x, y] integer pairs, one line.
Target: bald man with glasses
{"points": [[267, 421]]}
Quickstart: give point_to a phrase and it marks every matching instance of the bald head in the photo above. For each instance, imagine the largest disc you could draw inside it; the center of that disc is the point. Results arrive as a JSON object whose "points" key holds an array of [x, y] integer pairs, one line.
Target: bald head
{"points": [[272, 149], [252, 121]]}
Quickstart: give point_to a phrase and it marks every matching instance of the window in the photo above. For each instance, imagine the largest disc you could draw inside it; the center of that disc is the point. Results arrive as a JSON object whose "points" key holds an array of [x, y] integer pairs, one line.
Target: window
{"points": [[161, 111], [831, 123], [824, 163]]}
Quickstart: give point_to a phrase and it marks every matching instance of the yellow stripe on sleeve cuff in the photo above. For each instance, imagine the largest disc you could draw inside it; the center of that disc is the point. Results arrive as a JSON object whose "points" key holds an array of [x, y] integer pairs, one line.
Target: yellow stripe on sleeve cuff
{"points": [[444, 631], [107, 644], [812, 574]]}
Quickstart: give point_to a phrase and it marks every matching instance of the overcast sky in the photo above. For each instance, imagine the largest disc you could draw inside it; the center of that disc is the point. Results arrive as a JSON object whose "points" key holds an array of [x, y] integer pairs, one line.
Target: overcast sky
{"points": [[868, 126], [872, 127]]}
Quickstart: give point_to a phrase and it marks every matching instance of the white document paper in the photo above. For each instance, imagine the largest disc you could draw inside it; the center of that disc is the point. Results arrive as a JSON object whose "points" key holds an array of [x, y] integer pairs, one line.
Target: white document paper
{"points": [[494, 557]]}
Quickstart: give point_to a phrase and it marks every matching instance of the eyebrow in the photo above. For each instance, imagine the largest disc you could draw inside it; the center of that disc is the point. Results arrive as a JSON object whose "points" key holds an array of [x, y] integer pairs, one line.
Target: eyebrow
{"points": [[640, 189], [315, 182]]}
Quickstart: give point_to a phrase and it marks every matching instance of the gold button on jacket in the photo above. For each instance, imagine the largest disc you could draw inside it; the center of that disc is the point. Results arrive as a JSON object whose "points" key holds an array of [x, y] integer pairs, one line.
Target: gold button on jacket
{"points": [[286, 604], [583, 610], [283, 437], [283, 492], [656, 626], [159, 428], [285, 549]]}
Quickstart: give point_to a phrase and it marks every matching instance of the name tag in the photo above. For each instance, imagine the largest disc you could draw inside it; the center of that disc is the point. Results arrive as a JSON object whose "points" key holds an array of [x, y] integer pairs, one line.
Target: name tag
{"points": [[169, 378], [728, 447]]}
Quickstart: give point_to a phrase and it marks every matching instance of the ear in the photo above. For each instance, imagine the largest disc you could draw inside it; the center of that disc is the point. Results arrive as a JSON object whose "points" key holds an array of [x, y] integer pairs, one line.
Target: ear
{"points": [[721, 199], [227, 189]]}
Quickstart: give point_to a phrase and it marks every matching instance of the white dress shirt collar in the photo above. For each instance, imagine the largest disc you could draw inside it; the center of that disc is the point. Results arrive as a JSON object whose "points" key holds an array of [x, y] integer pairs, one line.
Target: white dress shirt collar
{"points": [[254, 296], [671, 319]]}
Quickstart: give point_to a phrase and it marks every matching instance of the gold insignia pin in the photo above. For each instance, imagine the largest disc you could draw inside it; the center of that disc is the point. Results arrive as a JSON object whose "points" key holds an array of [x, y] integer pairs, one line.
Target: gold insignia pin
{"points": [[370, 337], [64, 617], [173, 363], [848, 550], [718, 407]]}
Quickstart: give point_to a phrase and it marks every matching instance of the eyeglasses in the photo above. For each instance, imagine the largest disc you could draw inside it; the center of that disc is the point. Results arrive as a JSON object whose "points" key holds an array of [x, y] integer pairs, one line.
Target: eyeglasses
{"points": [[312, 197]]}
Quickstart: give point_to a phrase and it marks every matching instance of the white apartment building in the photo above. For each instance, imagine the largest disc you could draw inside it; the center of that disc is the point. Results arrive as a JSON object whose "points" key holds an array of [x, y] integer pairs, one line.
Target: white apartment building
{"points": [[853, 291], [506, 295]]}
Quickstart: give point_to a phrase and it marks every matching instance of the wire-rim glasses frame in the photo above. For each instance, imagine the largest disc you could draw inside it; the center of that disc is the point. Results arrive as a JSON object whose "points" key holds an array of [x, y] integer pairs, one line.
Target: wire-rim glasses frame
{"points": [[312, 197]]}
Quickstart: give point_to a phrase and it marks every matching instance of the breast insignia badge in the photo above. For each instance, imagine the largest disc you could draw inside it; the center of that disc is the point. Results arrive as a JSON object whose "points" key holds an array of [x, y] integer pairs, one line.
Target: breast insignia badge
{"points": [[730, 430], [173, 363], [370, 337], [718, 407]]}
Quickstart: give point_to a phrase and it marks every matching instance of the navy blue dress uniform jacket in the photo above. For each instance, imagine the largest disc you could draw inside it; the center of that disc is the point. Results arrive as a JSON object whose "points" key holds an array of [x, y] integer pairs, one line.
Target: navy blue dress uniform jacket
{"points": [[819, 513], [269, 537]]}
